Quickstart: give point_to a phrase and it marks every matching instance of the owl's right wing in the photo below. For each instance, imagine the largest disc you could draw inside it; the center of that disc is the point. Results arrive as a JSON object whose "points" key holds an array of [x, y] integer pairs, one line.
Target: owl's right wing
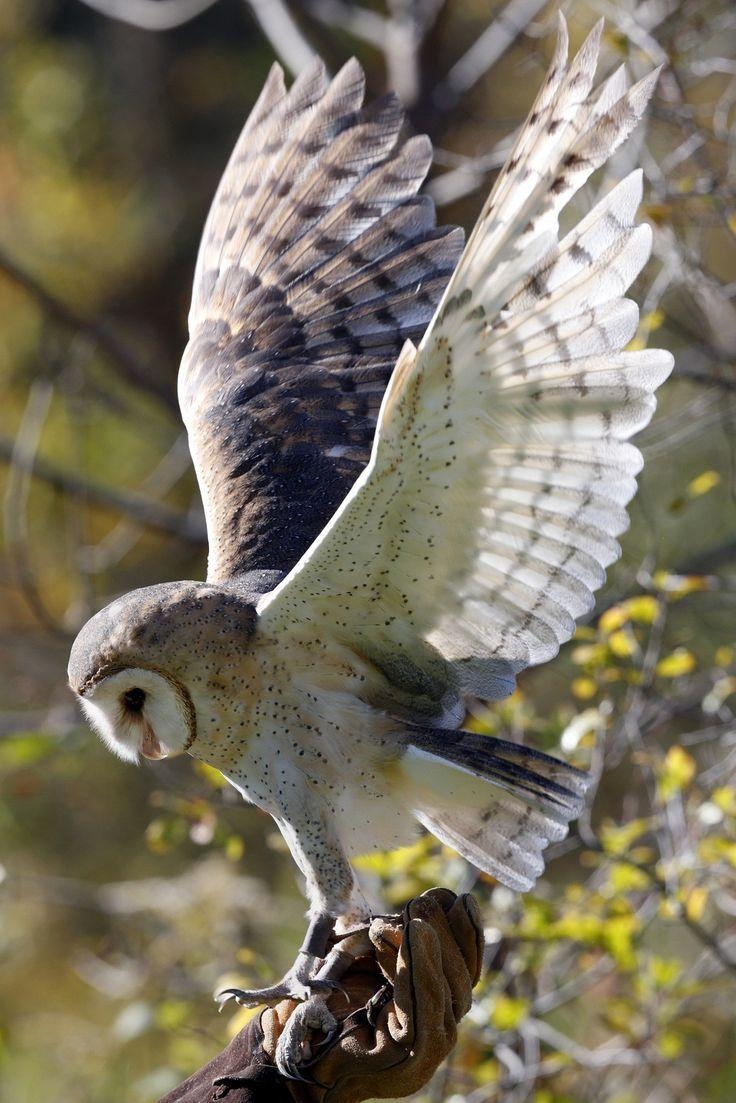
{"points": [[318, 261], [501, 466]]}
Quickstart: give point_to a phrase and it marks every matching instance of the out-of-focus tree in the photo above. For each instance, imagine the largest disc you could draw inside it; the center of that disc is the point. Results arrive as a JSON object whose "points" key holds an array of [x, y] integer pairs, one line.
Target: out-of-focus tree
{"points": [[129, 896]]}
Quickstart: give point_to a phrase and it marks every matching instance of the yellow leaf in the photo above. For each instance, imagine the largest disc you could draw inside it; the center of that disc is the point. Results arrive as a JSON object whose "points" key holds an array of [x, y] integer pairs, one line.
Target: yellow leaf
{"points": [[643, 609], [622, 644], [575, 893], [212, 776], [644, 855], [659, 212], [665, 971], [583, 688], [670, 1044], [695, 903], [171, 1014], [485, 1072], [677, 771], [234, 848], [485, 722], [613, 618], [676, 586], [240, 1019], [678, 662], [723, 656], [717, 694], [618, 839], [716, 848], [701, 484], [618, 933], [588, 654], [245, 955], [669, 908], [652, 321], [725, 798], [585, 632], [626, 878], [508, 1012], [732, 223]]}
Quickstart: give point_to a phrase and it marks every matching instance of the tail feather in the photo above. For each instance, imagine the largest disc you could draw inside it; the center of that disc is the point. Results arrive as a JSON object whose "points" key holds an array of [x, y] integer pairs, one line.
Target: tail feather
{"points": [[496, 803]]}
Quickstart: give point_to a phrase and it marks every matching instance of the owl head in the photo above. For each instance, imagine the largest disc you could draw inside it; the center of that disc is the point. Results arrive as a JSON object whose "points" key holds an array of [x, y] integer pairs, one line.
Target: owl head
{"points": [[141, 666]]}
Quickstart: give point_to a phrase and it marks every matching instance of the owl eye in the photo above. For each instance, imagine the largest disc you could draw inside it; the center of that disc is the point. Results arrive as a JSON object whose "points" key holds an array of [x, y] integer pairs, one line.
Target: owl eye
{"points": [[133, 699]]}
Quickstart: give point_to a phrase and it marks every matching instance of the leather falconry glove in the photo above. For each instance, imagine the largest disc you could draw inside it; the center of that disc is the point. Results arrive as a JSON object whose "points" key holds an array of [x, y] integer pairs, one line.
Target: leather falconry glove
{"points": [[405, 999], [397, 1017]]}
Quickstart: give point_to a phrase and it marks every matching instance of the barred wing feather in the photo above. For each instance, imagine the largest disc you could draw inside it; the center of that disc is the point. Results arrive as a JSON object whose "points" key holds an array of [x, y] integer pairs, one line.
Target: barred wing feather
{"points": [[318, 261], [501, 466]]}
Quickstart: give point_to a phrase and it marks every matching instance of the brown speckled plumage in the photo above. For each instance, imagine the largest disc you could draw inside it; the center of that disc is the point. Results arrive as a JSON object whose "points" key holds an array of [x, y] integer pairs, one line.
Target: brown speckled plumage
{"points": [[317, 262]]}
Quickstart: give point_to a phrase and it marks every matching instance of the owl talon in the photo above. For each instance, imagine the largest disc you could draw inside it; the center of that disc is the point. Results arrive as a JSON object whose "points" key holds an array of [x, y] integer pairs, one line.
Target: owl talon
{"points": [[298, 984], [294, 1048]]}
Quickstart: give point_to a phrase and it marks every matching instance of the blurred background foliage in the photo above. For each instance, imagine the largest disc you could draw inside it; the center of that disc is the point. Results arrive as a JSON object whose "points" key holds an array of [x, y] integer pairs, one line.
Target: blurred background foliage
{"points": [[128, 896]]}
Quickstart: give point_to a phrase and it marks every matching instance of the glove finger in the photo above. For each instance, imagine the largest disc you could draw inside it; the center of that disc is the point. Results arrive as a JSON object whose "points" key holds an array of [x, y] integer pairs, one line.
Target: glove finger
{"points": [[272, 1022], [422, 1015], [444, 897], [465, 921], [452, 961], [386, 936]]}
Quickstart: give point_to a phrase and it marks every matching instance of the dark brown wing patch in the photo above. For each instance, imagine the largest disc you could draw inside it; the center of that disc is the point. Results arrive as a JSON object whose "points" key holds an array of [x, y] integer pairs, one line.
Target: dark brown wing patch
{"points": [[318, 262]]}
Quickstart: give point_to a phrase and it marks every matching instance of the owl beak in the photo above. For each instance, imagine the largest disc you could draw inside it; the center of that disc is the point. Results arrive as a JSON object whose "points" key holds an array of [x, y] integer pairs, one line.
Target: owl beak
{"points": [[150, 746]]}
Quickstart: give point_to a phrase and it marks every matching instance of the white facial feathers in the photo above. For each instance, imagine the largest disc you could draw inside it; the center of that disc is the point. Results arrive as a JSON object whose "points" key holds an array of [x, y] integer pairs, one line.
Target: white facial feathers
{"points": [[137, 711]]}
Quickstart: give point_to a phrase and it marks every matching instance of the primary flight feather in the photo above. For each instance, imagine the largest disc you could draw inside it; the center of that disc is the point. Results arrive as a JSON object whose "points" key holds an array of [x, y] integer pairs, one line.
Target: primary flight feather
{"points": [[414, 463]]}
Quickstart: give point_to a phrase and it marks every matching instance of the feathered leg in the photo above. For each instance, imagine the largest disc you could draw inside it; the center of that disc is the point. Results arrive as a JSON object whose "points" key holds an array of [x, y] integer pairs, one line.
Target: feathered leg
{"points": [[310, 831]]}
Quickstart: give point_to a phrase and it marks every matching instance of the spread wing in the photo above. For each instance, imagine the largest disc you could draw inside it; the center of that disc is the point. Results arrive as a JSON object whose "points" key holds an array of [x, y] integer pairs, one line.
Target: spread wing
{"points": [[318, 260], [500, 471]]}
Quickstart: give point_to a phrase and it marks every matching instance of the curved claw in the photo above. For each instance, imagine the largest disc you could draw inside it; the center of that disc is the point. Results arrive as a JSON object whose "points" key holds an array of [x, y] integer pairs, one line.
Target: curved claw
{"points": [[291, 987], [290, 1051], [257, 996], [325, 987], [376, 1004], [288, 1066]]}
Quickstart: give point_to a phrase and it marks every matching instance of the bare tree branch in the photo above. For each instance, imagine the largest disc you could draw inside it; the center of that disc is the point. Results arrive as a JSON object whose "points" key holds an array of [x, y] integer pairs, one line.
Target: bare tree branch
{"points": [[364, 24], [153, 515], [486, 50], [151, 15], [127, 363], [17, 539], [281, 30], [120, 539]]}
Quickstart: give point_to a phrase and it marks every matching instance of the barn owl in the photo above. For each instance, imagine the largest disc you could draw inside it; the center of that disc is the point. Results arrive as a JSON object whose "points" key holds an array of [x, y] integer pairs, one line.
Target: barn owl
{"points": [[414, 463]]}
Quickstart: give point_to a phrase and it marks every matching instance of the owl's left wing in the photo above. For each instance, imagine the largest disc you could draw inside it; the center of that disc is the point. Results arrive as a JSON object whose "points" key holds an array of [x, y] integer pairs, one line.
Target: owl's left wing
{"points": [[318, 261], [501, 468]]}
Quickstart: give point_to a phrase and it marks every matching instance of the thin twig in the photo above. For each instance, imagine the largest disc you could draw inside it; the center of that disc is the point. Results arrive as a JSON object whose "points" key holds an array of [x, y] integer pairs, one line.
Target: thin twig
{"points": [[485, 51], [22, 460], [133, 369], [119, 540], [151, 15], [153, 515], [369, 26], [701, 933], [281, 30]]}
